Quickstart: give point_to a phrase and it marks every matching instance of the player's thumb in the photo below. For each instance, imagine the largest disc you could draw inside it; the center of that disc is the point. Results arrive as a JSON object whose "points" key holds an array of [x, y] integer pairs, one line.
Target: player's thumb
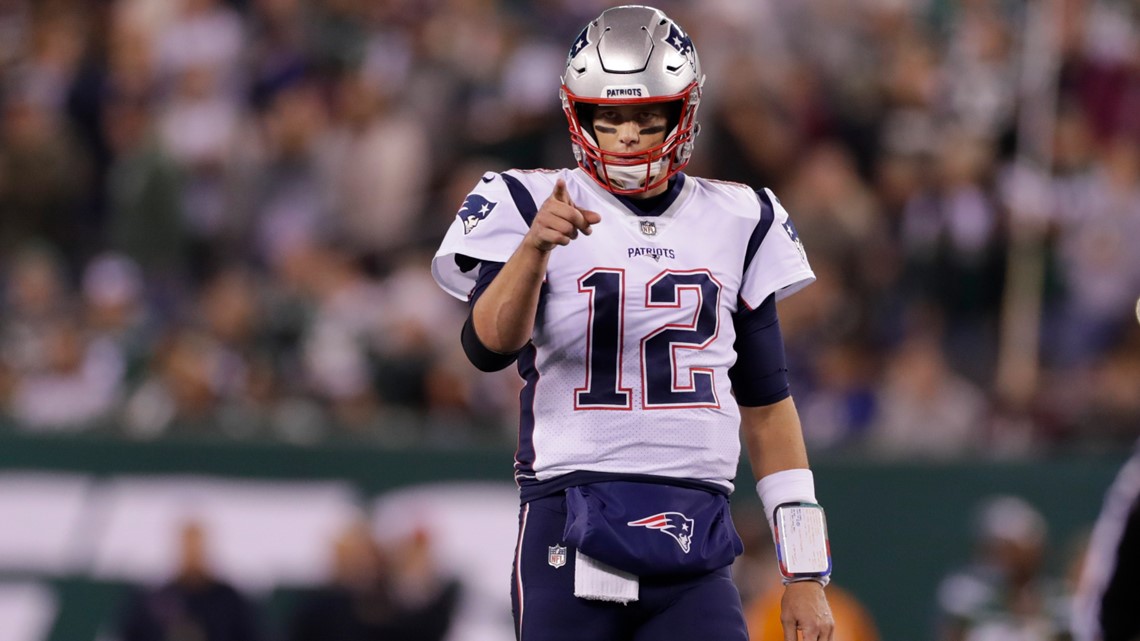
{"points": [[592, 217]]}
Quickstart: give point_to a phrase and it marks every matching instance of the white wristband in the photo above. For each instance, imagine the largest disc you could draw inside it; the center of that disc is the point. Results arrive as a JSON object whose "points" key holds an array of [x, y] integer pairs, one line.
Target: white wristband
{"points": [[785, 486]]}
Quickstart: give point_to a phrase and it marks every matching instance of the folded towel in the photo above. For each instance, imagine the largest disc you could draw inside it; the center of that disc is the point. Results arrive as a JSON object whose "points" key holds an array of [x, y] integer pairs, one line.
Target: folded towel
{"points": [[597, 581]]}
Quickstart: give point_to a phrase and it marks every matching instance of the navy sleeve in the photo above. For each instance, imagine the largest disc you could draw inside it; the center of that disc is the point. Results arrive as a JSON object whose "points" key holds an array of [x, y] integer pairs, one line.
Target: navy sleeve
{"points": [[487, 273], [760, 375], [479, 354]]}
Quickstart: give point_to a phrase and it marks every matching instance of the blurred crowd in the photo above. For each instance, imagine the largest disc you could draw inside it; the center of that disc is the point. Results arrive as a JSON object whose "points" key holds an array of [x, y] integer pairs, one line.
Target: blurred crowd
{"points": [[374, 591], [216, 216]]}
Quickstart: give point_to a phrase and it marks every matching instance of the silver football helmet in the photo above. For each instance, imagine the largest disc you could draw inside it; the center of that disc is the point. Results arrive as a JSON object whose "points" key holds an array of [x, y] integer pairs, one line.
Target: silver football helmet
{"points": [[632, 55]]}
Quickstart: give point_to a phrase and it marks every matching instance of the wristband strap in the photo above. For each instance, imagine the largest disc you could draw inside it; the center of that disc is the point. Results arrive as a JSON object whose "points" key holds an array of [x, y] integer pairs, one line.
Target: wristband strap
{"points": [[822, 580]]}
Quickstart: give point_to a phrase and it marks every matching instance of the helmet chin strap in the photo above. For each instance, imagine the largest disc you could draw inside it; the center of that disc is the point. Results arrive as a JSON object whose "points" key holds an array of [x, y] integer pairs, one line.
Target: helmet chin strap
{"points": [[631, 176]]}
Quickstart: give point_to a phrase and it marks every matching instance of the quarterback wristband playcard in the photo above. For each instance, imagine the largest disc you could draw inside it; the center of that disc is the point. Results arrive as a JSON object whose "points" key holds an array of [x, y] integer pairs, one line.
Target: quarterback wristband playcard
{"points": [[801, 541]]}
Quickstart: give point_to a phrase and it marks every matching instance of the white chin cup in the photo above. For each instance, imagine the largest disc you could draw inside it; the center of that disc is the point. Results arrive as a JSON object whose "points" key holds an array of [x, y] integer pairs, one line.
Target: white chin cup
{"points": [[631, 176]]}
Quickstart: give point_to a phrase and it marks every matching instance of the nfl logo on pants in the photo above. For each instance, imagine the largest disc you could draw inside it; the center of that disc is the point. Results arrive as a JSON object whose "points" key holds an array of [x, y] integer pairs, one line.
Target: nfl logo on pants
{"points": [[556, 556]]}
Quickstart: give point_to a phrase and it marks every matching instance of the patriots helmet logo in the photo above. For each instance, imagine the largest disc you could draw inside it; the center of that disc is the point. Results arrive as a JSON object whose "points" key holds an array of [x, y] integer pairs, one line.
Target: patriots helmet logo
{"points": [[579, 44], [474, 209], [675, 524], [682, 43]]}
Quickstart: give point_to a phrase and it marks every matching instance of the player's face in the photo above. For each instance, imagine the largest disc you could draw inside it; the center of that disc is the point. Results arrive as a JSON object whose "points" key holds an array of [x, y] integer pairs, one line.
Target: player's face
{"points": [[629, 128]]}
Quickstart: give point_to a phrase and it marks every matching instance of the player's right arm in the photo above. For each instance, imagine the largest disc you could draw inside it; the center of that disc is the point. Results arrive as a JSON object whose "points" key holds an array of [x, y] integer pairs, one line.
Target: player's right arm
{"points": [[503, 316]]}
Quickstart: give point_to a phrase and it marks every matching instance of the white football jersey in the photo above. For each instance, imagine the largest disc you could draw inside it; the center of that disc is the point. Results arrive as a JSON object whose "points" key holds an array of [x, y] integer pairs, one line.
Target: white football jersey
{"points": [[627, 371]]}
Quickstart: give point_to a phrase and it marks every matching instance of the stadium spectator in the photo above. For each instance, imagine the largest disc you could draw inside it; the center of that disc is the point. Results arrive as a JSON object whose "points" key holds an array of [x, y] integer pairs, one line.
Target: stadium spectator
{"points": [[1003, 592], [926, 410], [190, 375], [36, 294], [381, 156], [194, 604], [376, 593], [114, 309], [42, 173], [79, 384], [144, 193], [1100, 273]]}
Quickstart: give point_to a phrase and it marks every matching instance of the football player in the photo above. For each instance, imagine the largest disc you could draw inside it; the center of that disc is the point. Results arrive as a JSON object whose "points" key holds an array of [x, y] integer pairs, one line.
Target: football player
{"points": [[639, 304]]}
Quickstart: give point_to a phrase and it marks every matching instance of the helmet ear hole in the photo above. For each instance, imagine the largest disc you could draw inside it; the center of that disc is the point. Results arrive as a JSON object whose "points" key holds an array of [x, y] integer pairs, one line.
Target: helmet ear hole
{"points": [[585, 113], [673, 115]]}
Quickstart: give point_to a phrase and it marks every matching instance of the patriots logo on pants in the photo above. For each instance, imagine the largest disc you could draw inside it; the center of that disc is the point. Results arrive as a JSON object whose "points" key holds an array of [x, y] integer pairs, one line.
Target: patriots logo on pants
{"points": [[474, 209], [675, 524]]}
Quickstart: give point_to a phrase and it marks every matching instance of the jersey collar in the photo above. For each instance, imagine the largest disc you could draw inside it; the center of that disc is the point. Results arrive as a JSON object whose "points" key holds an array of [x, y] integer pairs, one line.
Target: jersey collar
{"points": [[677, 187], [662, 201]]}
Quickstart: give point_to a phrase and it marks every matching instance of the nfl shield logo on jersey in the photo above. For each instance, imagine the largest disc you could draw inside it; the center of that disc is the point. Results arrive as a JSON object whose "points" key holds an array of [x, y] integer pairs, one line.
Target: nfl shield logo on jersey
{"points": [[649, 228], [556, 556]]}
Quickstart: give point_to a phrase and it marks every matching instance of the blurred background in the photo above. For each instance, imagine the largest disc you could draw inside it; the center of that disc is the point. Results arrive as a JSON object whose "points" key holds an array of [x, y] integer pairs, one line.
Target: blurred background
{"points": [[233, 404]]}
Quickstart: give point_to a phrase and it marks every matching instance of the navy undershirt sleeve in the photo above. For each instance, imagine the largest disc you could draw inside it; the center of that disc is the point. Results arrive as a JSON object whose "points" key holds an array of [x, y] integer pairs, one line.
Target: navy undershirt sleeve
{"points": [[760, 375], [487, 273], [479, 354]]}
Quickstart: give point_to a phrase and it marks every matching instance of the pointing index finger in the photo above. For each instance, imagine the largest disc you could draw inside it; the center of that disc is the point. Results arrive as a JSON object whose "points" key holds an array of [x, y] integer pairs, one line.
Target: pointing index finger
{"points": [[560, 193]]}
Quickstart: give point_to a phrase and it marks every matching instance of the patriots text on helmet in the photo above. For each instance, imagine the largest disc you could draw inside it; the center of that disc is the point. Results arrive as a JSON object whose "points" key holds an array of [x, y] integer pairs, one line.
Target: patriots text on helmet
{"points": [[624, 92]]}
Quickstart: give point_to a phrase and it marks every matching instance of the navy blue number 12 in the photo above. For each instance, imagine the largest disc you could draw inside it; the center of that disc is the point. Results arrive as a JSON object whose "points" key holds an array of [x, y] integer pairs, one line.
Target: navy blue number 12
{"points": [[663, 385]]}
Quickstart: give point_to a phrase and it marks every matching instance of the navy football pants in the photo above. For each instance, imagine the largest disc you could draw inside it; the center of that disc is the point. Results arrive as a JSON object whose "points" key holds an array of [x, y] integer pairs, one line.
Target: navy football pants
{"points": [[705, 607]]}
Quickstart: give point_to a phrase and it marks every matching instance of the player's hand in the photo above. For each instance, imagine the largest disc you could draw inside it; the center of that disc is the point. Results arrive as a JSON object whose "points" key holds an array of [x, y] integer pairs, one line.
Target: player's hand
{"points": [[558, 221], [804, 608]]}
